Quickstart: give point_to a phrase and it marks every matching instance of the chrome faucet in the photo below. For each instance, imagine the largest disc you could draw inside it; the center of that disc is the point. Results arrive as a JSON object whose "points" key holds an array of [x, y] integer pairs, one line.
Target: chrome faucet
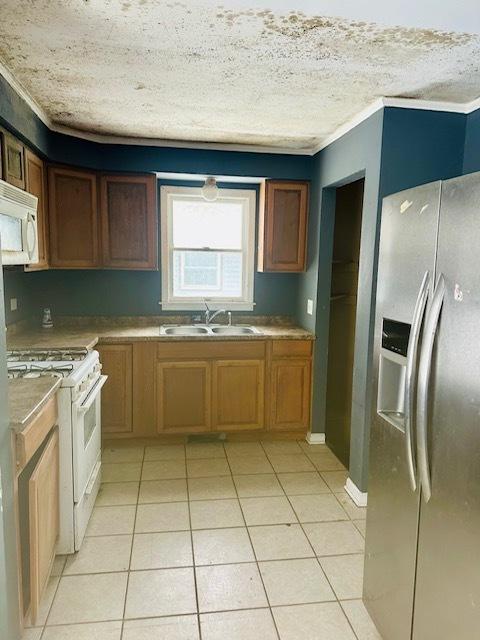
{"points": [[209, 316]]}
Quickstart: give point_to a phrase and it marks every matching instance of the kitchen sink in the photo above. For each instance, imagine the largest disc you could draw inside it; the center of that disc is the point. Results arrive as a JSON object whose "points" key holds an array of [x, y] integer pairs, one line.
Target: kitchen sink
{"points": [[204, 330], [184, 330], [234, 331]]}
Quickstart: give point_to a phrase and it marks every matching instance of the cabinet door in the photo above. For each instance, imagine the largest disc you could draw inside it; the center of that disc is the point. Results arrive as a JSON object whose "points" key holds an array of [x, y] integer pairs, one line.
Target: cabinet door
{"points": [[283, 226], [44, 522], [72, 205], [117, 363], [129, 221], [13, 160], [183, 396], [238, 394], [36, 185], [290, 394]]}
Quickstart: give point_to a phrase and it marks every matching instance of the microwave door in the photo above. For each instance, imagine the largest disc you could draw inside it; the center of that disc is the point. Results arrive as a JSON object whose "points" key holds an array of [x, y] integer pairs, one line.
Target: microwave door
{"points": [[18, 225]]}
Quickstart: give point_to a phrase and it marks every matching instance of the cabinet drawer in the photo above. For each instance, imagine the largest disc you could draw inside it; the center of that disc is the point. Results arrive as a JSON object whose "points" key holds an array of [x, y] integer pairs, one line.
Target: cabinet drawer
{"points": [[294, 348], [211, 350], [28, 441]]}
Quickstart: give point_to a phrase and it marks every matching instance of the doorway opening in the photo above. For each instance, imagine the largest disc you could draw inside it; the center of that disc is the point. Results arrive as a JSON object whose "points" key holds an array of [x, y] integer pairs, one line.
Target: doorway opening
{"points": [[343, 308]]}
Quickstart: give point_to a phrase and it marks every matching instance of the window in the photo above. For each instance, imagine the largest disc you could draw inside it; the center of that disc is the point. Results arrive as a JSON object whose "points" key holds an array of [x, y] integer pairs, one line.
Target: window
{"points": [[207, 249]]}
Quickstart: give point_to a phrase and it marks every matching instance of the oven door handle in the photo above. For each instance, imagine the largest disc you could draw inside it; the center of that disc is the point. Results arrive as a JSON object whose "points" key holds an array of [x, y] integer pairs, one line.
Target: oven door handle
{"points": [[92, 396], [93, 478]]}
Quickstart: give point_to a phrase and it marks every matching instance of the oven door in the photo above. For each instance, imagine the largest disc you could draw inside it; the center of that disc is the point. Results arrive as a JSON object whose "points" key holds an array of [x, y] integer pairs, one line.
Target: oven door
{"points": [[86, 415]]}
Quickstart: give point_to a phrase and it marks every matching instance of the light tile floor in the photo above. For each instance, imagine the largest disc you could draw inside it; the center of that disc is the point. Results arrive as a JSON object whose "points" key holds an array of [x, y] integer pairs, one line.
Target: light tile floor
{"points": [[212, 541]]}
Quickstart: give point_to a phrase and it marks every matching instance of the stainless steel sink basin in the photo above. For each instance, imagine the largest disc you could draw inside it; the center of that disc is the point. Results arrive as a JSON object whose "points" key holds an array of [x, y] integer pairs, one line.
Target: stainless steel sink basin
{"points": [[234, 331], [207, 331], [184, 330]]}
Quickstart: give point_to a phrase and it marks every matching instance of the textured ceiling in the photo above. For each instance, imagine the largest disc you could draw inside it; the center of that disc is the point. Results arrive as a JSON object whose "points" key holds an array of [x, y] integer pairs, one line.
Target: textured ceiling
{"points": [[202, 71]]}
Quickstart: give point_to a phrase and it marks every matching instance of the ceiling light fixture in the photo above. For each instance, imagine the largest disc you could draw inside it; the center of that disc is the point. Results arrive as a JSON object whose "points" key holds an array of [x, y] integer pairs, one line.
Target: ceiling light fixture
{"points": [[210, 189]]}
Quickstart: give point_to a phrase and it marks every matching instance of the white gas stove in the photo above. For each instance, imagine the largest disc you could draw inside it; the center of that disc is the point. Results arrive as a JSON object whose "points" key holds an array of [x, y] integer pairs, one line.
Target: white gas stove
{"points": [[79, 425]]}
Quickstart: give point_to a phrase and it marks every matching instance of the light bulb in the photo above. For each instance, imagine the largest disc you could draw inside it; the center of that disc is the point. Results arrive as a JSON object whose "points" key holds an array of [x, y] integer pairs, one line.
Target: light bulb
{"points": [[210, 189]]}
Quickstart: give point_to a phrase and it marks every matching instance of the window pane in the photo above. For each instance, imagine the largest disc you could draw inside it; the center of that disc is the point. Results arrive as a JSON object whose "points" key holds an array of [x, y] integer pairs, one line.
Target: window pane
{"points": [[199, 224], [213, 274]]}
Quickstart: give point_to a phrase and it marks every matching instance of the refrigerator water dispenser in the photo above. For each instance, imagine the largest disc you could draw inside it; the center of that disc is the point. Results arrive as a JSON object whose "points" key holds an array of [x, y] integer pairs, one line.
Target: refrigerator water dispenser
{"points": [[392, 370]]}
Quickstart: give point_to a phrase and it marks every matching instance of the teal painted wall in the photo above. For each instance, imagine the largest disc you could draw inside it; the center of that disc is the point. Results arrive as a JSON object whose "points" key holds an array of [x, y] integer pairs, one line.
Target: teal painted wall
{"points": [[124, 292], [356, 154], [394, 149], [471, 158]]}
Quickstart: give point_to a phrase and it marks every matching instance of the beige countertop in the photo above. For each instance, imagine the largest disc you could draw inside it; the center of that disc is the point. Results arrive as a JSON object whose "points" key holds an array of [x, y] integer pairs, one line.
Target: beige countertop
{"points": [[27, 396], [88, 336]]}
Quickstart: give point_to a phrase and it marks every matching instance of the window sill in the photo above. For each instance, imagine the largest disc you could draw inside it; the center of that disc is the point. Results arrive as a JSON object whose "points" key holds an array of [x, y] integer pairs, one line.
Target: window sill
{"points": [[200, 306]]}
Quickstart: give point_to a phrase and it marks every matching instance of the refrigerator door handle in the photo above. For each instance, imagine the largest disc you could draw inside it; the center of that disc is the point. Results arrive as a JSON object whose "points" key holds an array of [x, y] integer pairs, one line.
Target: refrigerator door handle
{"points": [[424, 370], [411, 373]]}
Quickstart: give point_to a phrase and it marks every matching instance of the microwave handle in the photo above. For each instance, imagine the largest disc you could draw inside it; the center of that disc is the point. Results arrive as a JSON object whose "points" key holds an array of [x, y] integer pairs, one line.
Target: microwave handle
{"points": [[31, 223], [83, 408]]}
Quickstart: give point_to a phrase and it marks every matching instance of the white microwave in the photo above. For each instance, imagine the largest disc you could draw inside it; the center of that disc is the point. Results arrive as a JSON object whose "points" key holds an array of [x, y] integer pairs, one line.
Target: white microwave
{"points": [[18, 225]]}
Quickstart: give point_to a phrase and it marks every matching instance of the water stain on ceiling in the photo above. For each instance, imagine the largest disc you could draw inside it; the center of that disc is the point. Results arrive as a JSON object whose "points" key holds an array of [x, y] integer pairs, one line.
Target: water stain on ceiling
{"points": [[200, 71]]}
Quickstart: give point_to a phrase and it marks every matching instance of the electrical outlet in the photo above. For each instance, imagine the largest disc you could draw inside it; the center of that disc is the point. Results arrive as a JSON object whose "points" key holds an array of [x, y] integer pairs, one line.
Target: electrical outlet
{"points": [[13, 304], [310, 307]]}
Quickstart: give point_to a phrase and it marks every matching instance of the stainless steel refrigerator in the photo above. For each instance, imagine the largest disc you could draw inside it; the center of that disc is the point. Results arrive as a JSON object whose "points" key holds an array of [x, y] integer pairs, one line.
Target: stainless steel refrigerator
{"points": [[422, 565], [9, 604]]}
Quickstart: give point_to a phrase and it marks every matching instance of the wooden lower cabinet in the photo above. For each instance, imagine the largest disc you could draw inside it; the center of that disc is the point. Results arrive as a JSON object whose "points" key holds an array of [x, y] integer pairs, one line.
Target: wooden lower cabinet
{"points": [[44, 521], [117, 408], [290, 394], [238, 394], [156, 388], [183, 396]]}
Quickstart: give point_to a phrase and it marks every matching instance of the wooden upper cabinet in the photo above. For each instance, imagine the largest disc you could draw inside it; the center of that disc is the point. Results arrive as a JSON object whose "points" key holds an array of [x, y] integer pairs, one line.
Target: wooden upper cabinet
{"points": [[13, 160], [73, 218], [36, 184], [283, 226], [128, 215], [44, 520], [117, 364]]}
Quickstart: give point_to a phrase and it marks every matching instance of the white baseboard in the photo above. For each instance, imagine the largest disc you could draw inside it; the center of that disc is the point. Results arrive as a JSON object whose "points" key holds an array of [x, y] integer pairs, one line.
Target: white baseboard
{"points": [[315, 438], [359, 497]]}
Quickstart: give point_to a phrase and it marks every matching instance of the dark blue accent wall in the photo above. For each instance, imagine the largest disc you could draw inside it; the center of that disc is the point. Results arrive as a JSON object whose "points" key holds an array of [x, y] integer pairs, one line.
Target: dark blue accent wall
{"points": [[124, 292], [356, 154], [394, 149], [419, 147], [471, 157]]}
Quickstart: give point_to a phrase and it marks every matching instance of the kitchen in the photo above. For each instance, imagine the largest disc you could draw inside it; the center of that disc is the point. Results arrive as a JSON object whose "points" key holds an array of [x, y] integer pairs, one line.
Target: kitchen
{"points": [[181, 454]]}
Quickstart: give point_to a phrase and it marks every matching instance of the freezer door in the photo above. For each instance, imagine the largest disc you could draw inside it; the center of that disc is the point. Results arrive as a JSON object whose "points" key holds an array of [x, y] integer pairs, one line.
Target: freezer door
{"points": [[407, 253], [447, 601]]}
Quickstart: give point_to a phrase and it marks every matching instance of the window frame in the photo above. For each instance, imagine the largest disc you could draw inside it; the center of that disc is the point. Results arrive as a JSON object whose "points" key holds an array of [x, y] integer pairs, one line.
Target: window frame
{"points": [[194, 303]]}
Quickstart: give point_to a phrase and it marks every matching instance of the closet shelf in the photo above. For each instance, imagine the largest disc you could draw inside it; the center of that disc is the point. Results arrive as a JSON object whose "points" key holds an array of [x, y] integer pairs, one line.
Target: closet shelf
{"points": [[345, 265], [346, 297]]}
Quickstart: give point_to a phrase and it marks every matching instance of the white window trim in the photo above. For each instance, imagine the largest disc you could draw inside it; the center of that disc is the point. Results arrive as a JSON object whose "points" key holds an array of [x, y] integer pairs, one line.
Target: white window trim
{"points": [[169, 302]]}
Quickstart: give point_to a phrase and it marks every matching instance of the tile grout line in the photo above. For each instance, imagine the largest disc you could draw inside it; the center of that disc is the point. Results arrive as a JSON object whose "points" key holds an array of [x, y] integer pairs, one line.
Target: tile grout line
{"points": [[194, 568], [231, 476], [255, 555], [131, 547], [311, 545], [319, 563]]}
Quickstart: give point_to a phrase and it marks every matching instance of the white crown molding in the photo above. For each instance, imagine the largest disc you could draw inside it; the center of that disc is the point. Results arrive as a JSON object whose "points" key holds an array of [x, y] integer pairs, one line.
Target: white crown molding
{"points": [[359, 497], [25, 96], [349, 125], [376, 105], [315, 438], [399, 103]]}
